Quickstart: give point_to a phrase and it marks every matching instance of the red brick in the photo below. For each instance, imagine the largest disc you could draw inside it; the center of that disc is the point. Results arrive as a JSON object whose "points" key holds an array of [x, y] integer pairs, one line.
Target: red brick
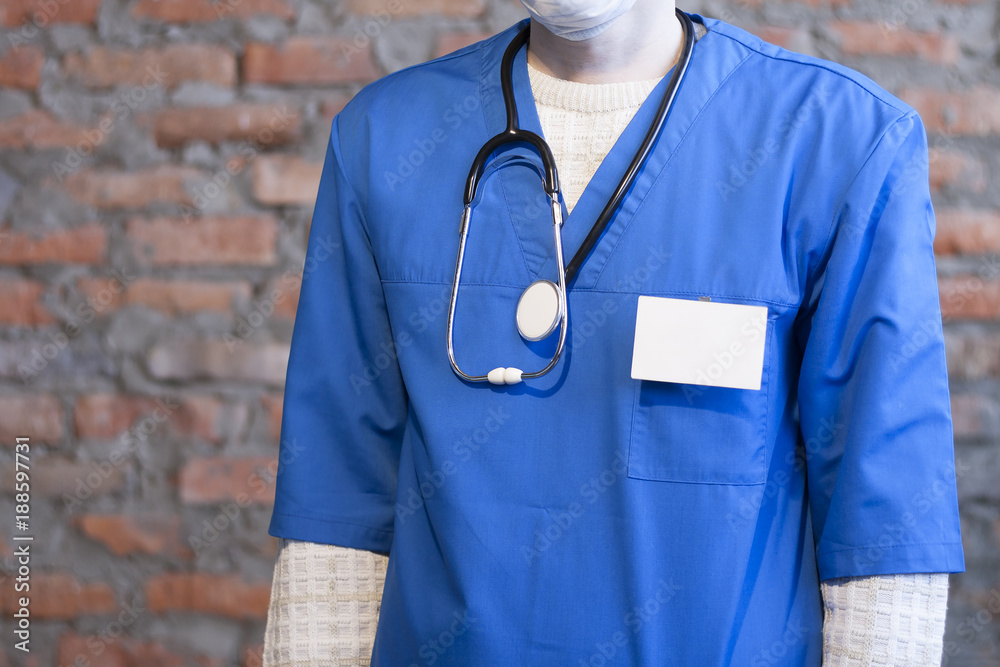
{"points": [[223, 595], [175, 297], [169, 66], [56, 475], [172, 297], [110, 415], [874, 38], [953, 168], [273, 404], [286, 179], [331, 106], [309, 61], [972, 356], [102, 294], [401, 8], [41, 13], [60, 596], [253, 656], [967, 232], [974, 415], [21, 303], [975, 111], [284, 295], [132, 189], [125, 534], [200, 416], [174, 241], [969, 298], [39, 129], [231, 359], [216, 480], [787, 38], [38, 416], [201, 11], [123, 651], [266, 546], [86, 244], [453, 41], [262, 124], [21, 67]]}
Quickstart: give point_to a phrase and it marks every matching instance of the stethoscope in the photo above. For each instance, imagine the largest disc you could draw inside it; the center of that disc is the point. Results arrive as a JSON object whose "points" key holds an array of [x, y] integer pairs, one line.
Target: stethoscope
{"points": [[542, 305]]}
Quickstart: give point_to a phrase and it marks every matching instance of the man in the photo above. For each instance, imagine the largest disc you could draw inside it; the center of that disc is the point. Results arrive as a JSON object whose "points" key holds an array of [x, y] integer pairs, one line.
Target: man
{"points": [[794, 500]]}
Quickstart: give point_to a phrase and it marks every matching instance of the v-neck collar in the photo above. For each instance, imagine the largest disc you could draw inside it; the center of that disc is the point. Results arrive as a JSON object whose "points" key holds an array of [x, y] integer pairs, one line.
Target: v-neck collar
{"points": [[714, 58]]}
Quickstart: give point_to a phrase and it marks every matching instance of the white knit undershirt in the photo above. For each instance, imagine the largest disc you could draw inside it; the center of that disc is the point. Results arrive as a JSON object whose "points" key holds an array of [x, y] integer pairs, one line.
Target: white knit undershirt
{"points": [[325, 599], [582, 121]]}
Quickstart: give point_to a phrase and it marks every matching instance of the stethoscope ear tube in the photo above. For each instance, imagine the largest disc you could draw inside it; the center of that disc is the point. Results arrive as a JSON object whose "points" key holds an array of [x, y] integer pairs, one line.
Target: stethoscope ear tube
{"points": [[513, 132], [516, 135], [640, 157]]}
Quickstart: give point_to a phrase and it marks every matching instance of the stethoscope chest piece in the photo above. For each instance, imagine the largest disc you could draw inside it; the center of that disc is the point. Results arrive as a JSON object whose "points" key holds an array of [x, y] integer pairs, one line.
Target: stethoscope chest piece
{"points": [[538, 310]]}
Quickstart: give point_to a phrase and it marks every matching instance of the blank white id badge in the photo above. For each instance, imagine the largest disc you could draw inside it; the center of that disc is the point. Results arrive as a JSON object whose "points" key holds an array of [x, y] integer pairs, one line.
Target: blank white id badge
{"points": [[699, 342]]}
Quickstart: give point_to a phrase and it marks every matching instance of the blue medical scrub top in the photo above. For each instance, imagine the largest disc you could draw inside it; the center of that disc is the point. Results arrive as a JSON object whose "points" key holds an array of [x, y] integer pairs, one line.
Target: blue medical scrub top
{"points": [[586, 518]]}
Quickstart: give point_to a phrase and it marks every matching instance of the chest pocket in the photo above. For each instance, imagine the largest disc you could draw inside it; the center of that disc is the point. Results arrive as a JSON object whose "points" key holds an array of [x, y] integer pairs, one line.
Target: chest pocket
{"points": [[700, 434]]}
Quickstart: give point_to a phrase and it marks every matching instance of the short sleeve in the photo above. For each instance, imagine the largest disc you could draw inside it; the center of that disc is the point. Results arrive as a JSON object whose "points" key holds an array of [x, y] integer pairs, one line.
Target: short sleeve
{"points": [[873, 398], [344, 401]]}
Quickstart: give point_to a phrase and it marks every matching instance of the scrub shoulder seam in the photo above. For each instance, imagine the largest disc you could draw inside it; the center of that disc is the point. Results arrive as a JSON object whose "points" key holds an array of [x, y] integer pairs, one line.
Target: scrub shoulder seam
{"points": [[666, 163], [468, 51], [846, 194], [373, 88], [459, 53], [817, 63], [337, 149]]}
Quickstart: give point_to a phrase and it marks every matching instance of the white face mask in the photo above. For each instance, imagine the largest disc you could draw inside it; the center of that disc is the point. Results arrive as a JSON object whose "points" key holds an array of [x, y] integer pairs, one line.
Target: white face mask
{"points": [[577, 19]]}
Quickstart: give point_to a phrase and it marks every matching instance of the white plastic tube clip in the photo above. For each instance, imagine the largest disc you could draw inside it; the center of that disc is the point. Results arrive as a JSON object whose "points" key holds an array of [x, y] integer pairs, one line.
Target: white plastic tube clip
{"points": [[503, 375]]}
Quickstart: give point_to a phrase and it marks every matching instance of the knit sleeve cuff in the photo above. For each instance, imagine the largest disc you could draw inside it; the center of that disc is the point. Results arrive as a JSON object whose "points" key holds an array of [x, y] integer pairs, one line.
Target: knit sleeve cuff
{"points": [[885, 620], [324, 605]]}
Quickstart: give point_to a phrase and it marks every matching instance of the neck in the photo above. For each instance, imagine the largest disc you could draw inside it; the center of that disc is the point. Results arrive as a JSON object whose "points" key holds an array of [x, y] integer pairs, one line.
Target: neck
{"points": [[644, 43]]}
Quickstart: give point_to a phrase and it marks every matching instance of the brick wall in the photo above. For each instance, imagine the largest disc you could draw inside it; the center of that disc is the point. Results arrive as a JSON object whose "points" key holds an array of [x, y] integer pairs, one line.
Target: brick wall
{"points": [[158, 166]]}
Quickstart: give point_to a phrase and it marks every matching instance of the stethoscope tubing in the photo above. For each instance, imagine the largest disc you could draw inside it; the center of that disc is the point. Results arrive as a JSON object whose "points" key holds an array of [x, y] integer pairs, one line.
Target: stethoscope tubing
{"points": [[508, 375], [625, 184], [514, 134]]}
